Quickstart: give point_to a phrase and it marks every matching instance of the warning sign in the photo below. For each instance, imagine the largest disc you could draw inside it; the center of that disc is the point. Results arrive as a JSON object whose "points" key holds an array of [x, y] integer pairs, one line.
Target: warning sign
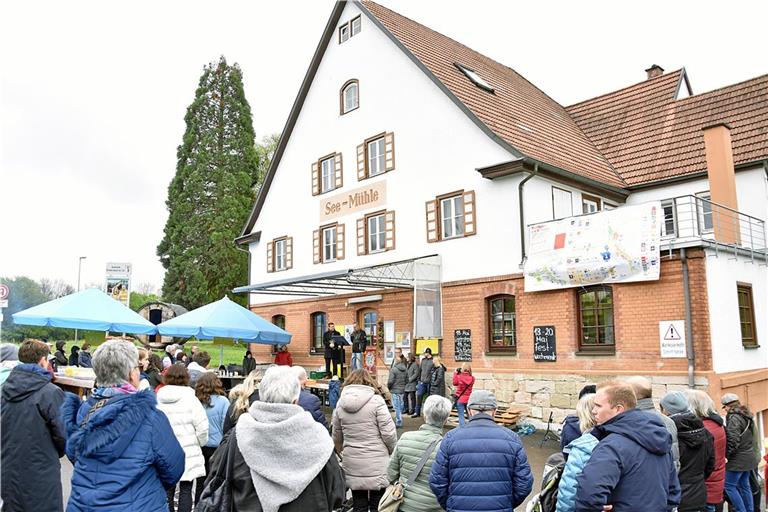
{"points": [[672, 338]]}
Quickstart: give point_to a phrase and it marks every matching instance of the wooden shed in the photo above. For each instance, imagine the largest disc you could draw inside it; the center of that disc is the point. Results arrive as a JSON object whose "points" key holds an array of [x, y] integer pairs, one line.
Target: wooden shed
{"points": [[158, 312]]}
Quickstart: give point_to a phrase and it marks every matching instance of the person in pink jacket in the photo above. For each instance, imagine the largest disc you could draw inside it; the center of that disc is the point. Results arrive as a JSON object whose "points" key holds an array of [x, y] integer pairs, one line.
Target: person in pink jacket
{"points": [[463, 380]]}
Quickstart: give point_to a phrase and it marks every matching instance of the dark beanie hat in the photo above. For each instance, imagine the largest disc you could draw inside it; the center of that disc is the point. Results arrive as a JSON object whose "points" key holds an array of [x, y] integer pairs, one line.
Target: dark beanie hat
{"points": [[587, 390]]}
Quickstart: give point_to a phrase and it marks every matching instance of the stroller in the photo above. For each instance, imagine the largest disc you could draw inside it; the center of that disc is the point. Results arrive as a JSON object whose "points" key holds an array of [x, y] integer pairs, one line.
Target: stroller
{"points": [[546, 500]]}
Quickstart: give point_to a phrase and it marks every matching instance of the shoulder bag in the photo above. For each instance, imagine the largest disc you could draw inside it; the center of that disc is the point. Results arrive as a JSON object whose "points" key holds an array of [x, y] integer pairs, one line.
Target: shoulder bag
{"points": [[393, 496], [217, 494], [455, 397]]}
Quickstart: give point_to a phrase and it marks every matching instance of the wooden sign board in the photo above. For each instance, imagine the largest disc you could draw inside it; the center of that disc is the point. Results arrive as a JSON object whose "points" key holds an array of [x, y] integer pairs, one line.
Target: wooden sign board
{"points": [[544, 343], [462, 339]]}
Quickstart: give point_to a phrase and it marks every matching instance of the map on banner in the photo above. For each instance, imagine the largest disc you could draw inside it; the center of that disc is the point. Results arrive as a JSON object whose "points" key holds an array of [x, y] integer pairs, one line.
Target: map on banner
{"points": [[613, 246]]}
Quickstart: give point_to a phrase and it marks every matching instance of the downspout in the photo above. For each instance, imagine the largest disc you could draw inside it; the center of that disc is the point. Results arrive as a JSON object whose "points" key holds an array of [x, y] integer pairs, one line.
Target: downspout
{"points": [[688, 322], [522, 213]]}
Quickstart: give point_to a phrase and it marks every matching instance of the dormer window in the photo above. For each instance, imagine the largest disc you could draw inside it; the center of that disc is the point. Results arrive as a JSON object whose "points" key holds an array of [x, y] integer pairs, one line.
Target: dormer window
{"points": [[350, 96], [474, 77]]}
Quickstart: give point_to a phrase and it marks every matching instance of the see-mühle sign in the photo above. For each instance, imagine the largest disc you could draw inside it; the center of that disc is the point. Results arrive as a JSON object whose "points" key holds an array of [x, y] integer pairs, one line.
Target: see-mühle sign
{"points": [[355, 200]]}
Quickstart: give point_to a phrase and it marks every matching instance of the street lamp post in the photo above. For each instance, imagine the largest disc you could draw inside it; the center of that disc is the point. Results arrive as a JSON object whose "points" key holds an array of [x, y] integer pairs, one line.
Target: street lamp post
{"points": [[79, 268]]}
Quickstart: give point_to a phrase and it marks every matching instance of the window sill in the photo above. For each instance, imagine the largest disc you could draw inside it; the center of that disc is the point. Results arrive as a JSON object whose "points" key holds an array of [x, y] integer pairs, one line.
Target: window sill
{"points": [[501, 353], [750, 347], [595, 353], [368, 177], [350, 110]]}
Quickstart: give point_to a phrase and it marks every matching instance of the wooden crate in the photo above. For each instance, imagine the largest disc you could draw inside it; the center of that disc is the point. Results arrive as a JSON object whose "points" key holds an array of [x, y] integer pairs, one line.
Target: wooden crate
{"points": [[505, 415]]}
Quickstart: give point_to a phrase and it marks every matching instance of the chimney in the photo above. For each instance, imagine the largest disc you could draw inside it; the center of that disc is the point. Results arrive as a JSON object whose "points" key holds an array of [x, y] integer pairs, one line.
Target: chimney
{"points": [[654, 71], [722, 182]]}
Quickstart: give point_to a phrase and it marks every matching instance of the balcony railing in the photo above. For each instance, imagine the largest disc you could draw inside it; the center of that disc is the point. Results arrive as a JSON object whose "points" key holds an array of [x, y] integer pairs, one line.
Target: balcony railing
{"points": [[693, 218]]}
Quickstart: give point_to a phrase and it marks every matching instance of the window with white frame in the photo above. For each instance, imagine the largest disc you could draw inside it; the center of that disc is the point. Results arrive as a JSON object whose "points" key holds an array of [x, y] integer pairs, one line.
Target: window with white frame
{"points": [[355, 26], [704, 207], [562, 203], [280, 253], [669, 224], [350, 96], [452, 216], [343, 33], [589, 204], [327, 173], [329, 244], [376, 233], [376, 157]]}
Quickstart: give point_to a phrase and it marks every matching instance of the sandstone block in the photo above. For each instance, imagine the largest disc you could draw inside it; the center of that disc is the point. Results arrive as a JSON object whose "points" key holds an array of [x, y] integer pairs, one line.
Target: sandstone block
{"points": [[521, 397], [540, 399], [567, 387], [536, 412], [560, 400], [536, 386]]}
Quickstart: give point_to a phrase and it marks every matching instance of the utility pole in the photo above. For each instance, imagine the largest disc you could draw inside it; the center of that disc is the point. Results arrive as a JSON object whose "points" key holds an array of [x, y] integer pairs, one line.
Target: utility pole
{"points": [[79, 268]]}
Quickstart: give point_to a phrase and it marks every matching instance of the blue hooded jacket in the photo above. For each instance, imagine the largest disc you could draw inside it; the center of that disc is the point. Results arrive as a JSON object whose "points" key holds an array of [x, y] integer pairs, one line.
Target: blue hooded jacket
{"points": [[125, 456], [631, 468], [481, 467], [579, 452]]}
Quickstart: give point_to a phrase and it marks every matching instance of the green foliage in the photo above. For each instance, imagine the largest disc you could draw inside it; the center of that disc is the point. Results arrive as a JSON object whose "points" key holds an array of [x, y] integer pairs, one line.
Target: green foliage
{"points": [[139, 299], [210, 196], [25, 293], [265, 150]]}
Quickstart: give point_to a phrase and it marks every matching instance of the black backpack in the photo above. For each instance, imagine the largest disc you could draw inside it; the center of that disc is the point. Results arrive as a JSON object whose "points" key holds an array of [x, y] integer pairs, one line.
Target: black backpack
{"points": [[546, 500]]}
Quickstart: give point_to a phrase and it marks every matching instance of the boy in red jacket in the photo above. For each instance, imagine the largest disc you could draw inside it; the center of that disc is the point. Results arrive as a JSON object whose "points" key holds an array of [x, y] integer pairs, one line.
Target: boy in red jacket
{"points": [[283, 357]]}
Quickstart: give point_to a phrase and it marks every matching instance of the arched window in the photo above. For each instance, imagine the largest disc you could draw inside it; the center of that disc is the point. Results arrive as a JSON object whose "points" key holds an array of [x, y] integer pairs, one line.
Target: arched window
{"points": [[350, 96], [596, 319], [501, 324], [369, 321], [317, 330], [278, 320]]}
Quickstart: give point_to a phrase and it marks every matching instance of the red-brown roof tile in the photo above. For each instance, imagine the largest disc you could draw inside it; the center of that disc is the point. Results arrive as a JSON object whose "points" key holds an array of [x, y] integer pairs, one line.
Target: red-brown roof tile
{"points": [[517, 112]]}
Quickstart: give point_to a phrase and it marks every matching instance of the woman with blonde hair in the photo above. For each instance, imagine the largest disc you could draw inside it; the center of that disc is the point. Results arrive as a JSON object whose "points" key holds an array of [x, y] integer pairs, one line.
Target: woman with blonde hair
{"points": [[579, 452], [249, 393], [464, 381], [364, 433], [437, 377]]}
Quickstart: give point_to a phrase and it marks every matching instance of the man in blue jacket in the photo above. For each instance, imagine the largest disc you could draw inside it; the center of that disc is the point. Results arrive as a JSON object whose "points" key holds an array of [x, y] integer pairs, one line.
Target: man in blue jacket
{"points": [[483, 466], [631, 468]]}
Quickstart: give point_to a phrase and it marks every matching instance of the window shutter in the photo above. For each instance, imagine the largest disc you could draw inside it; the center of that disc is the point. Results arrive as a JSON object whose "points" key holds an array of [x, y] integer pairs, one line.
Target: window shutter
{"points": [[389, 151], [389, 231], [431, 207], [289, 252], [340, 241], [361, 246], [316, 246], [470, 215], [270, 260], [315, 178], [339, 176], [361, 171]]}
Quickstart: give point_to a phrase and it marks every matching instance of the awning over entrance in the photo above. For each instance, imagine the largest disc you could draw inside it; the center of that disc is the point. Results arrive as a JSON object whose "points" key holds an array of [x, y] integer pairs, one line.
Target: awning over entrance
{"points": [[422, 275]]}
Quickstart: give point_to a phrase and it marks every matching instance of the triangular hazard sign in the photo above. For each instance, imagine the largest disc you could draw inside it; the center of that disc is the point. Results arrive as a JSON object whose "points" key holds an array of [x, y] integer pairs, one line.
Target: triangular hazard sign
{"points": [[672, 334]]}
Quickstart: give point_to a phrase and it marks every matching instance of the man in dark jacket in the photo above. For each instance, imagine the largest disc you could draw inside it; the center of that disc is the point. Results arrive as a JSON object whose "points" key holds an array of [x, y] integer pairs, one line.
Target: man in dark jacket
{"points": [[61, 356], [483, 466], [422, 387], [307, 400], [697, 452], [283, 460], [631, 468], [329, 350], [740, 452], [32, 434], [359, 343]]}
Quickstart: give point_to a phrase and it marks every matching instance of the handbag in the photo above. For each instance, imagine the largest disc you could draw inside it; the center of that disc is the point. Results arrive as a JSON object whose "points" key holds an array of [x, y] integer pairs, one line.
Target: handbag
{"points": [[217, 494], [393, 496]]}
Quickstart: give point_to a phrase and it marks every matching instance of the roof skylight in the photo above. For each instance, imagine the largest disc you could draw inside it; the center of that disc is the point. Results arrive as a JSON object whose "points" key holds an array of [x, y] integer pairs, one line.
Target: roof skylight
{"points": [[476, 79]]}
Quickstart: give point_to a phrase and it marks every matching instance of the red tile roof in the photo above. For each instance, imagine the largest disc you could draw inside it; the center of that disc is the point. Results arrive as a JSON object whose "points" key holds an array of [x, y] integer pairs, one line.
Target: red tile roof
{"points": [[517, 112], [649, 136]]}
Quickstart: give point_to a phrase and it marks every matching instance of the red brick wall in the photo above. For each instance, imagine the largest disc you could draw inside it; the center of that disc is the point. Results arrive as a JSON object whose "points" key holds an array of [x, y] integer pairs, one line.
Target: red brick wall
{"points": [[638, 308]]}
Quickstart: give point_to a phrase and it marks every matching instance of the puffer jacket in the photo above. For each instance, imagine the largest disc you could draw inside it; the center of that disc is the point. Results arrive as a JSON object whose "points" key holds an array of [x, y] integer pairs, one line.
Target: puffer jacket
{"points": [[413, 377], [697, 460], [579, 452], [739, 434], [84, 359], [398, 378], [189, 423], [631, 467], [364, 433], [125, 456], [481, 467], [437, 381], [408, 452], [716, 481], [312, 405]]}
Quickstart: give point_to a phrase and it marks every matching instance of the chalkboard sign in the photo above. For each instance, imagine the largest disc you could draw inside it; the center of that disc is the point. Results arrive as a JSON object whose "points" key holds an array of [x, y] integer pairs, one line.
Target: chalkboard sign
{"points": [[544, 343], [463, 345]]}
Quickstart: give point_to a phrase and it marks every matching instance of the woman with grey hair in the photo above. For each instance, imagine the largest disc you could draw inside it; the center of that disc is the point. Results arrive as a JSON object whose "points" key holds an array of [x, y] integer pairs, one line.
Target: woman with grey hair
{"points": [[579, 453], [124, 451], [703, 406], [410, 449], [284, 459]]}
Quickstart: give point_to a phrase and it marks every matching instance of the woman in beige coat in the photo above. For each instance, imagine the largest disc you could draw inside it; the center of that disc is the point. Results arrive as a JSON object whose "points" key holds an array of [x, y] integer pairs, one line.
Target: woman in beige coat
{"points": [[365, 436]]}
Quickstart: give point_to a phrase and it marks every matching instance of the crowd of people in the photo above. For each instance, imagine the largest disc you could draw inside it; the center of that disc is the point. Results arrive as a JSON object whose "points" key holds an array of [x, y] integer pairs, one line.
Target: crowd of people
{"points": [[161, 435]]}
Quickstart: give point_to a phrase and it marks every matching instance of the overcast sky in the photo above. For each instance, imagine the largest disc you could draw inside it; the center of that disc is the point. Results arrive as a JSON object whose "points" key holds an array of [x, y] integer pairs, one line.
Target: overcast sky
{"points": [[93, 94]]}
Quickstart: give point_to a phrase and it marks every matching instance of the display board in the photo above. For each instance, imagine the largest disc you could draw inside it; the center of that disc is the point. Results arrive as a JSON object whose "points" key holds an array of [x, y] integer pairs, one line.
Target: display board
{"points": [[613, 246], [423, 343], [462, 339], [544, 343]]}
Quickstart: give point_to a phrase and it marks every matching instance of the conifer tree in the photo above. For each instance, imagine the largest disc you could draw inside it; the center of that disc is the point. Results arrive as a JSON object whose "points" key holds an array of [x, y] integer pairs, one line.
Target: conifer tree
{"points": [[210, 196]]}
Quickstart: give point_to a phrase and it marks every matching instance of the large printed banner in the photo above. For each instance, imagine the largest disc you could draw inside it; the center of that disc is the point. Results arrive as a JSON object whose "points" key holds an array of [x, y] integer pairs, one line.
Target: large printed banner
{"points": [[613, 246]]}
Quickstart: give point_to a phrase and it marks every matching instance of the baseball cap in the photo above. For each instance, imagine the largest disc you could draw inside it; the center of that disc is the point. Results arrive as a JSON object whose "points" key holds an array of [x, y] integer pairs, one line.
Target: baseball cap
{"points": [[729, 398]]}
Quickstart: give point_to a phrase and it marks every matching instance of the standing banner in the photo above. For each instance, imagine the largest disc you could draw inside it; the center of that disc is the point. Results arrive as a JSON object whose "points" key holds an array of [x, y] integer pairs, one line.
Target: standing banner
{"points": [[118, 282], [613, 246]]}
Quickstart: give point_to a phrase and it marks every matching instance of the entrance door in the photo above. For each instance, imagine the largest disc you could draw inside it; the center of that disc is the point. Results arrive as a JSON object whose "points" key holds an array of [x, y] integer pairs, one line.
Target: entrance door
{"points": [[155, 317]]}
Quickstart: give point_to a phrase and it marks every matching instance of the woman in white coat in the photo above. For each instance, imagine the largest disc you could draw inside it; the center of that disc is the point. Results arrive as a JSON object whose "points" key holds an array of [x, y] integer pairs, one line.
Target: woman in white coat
{"points": [[190, 424]]}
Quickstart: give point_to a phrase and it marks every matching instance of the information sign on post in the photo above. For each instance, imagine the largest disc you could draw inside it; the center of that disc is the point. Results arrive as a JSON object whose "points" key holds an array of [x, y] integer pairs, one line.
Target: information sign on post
{"points": [[544, 343], [462, 339]]}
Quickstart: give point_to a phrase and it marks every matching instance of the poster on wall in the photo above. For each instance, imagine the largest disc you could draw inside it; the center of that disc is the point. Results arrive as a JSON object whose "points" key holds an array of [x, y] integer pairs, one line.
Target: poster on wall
{"points": [[369, 360], [672, 338], [118, 282], [389, 331], [612, 246], [403, 339], [389, 353], [346, 332], [544, 343]]}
